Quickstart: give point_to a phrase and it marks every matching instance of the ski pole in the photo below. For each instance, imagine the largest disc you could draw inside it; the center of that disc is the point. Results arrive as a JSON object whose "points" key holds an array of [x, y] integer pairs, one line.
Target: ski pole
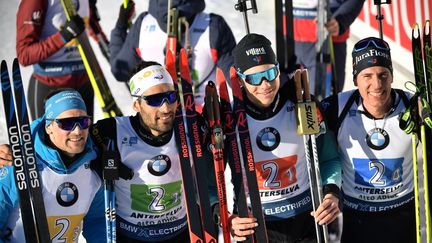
{"points": [[379, 16], [241, 6], [424, 116], [308, 126], [110, 174]]}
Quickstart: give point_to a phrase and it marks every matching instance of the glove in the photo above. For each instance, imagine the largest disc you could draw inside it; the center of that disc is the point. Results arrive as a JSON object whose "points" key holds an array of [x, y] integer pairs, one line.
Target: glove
{"points": [[72, 28], [126, 14]]}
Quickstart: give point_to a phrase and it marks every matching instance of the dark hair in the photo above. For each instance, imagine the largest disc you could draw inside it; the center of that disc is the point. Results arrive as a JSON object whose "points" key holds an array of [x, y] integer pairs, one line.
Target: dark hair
{"points": [[140, 66]]}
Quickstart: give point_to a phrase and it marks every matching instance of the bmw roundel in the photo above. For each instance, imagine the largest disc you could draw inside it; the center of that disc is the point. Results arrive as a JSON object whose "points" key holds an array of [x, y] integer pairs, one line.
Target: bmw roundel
{"points": [[268, 139], [67, 194], [159, 165], [377, 139]]}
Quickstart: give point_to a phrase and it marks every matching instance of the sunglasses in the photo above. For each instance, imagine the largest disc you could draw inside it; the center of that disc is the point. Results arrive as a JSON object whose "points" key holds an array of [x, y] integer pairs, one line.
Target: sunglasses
{"points": [[69, 123], [365, 43], [157, 100], [257, 78]]}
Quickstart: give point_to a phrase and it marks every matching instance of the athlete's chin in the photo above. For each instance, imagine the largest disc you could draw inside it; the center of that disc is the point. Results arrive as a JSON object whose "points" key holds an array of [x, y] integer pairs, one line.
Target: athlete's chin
{"points": [[165, 126], [73, 150]]}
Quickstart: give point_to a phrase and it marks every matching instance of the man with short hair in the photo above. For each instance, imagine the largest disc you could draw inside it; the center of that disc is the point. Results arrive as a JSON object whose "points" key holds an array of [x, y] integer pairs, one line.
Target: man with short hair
{"points": [[150, 206], [376, 154], [63, 154]]}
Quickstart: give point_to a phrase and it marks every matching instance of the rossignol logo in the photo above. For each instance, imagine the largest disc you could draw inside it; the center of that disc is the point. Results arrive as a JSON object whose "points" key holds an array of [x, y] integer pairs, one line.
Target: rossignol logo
{"points": [[371, 53], [256, 51]]}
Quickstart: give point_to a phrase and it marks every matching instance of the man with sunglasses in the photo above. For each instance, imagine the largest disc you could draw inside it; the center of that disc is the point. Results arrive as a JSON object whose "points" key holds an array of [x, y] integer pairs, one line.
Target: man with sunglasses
{"points": [[376, 153], [71, 190], [279, 151], [149, 206]]}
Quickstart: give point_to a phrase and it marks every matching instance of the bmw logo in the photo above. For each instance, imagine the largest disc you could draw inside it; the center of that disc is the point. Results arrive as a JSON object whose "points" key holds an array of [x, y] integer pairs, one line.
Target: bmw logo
{"points": [[268, 139], [377, 139], [159, 165], [67, 194]]}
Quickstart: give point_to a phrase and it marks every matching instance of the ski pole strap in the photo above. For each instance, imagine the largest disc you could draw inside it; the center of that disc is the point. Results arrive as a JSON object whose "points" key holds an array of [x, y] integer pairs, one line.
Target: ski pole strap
{"points": [[110, 161], [424, 111]]}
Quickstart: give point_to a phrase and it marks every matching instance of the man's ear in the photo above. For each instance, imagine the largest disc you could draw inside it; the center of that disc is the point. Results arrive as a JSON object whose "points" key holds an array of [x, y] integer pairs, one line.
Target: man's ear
{"points": [[48, 129], [355, 81], [136, 105]]}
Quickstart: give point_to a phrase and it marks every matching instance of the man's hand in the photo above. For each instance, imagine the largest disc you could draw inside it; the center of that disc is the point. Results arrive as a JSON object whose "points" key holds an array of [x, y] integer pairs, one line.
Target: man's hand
{"points": [[126, 14], [242, 227], [5, 155], [332, 27], [328, 210], [72, 28]]}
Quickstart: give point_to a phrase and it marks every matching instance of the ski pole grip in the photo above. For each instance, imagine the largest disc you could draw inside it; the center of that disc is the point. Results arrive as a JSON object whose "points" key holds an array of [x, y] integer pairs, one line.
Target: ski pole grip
{"points": [[305, 84], [298, 85], [307, 119], [209, 104]]}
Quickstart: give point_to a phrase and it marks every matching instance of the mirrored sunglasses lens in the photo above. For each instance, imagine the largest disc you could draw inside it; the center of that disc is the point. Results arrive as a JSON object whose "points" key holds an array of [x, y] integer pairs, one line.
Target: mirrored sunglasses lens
{"points": [[69, 124], [156, 100], [257, 78]]}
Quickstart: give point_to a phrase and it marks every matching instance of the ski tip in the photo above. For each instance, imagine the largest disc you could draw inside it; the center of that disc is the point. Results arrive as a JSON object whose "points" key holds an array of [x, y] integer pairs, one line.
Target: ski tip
{"points": [[426, 28], [171, 66], [220, 77], [15, 62], [233, 73], [16, 69], [184, 66], [3, 65], [211, 84], [415, 31]]}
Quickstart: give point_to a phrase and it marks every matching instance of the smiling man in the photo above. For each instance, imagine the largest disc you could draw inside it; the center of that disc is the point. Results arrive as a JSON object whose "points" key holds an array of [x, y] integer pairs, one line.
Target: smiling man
{"points": [[376, 155], [72, 192], [281, 162], [149, 206]]}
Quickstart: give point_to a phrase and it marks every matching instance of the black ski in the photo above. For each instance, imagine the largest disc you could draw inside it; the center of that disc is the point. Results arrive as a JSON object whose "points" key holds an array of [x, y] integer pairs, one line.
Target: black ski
{"points": [[247, 155], [232, 148], [423, 80], [195, 141], [188, 184], [26, 175]]}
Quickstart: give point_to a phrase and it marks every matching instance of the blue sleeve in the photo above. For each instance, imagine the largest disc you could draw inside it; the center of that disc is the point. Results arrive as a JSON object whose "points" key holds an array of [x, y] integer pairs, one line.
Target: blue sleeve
{"points": [[347, 13], [122, 47], [8, 196], [94, 230], [222, 40]]}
